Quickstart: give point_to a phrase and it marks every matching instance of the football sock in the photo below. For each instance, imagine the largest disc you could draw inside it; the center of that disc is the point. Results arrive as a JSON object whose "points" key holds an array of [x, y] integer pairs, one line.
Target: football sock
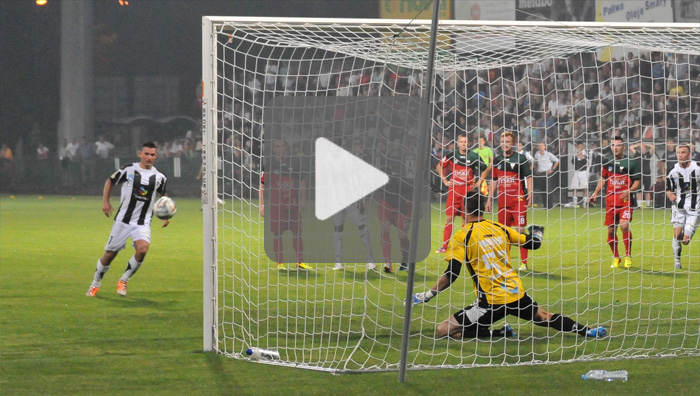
{"points": [[277, 247], [404, 243], [298, 244], [612, 242], [364, 235], [338, 244], [564, 323], [523, 255], [386, 244], [447, 234], [100, 272], [627, 240], [131, 269], [677, 249]]}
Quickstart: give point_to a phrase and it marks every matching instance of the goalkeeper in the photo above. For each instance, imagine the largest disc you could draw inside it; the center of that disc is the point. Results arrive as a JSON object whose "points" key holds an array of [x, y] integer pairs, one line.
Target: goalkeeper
{"points": [[484, 248]]}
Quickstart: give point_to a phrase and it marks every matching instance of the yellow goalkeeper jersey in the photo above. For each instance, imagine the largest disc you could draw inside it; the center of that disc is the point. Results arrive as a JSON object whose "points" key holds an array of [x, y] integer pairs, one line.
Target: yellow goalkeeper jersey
{"points": [[484, 247]]}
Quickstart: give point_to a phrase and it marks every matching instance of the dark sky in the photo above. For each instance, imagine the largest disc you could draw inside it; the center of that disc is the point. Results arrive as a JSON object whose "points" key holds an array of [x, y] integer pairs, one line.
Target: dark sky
{"points": [[148, 37]]}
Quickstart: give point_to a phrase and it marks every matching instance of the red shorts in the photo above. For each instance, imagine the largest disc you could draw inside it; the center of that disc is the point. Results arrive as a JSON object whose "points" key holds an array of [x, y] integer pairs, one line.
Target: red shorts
{"points": [[455, 204], [613, 215], [514, 214], [389, 214], [285, 219]]}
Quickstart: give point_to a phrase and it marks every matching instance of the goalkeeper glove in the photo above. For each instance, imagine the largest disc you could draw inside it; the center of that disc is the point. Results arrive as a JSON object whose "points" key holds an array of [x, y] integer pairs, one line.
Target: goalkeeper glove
{"points": [[537, 231], [419, 298]]}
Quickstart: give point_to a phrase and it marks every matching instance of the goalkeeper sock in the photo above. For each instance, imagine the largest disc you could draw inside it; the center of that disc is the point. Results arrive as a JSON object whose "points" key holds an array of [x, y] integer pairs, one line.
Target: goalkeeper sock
{"points": [[100, 272], [131, 269], [446, 234], [564, 323], [677, 249], [627, 240]]}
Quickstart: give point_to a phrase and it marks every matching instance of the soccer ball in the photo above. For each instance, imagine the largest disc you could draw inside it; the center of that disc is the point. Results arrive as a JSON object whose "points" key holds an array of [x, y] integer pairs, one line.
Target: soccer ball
{"points": [[164, 208]]}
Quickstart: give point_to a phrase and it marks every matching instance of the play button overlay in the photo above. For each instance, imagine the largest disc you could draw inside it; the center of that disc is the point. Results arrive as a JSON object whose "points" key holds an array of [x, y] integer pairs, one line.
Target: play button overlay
{"points": [[337, 181], [342, 179]]}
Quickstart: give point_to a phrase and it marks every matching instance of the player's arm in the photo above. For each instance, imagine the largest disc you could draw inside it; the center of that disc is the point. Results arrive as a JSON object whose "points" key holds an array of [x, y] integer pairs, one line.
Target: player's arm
{"points": [[671, 189], [441, 172], [597, 190], [492, 190], [106, 192], [528, 185], [454, 267], [261, 202], [484, 174]]}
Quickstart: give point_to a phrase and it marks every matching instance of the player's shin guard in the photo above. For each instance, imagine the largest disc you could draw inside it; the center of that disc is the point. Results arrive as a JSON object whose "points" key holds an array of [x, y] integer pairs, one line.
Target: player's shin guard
{"points": [[627, 240], [100, 272], [447, 234], [612, 242], [564, 323], [131, 269]]}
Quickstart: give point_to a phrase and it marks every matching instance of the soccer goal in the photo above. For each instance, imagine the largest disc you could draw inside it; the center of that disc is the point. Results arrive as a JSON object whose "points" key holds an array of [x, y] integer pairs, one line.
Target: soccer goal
{"points": [[571, 86]]}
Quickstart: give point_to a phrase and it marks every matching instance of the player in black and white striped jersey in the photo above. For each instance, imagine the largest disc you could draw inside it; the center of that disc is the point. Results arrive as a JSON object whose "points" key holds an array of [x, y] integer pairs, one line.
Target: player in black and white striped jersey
{"points": [[683, 189], [140, 182]]}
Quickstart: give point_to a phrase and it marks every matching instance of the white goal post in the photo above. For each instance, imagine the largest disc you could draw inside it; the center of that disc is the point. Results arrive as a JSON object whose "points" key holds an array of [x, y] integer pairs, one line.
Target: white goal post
{"points": [[557, 83]]}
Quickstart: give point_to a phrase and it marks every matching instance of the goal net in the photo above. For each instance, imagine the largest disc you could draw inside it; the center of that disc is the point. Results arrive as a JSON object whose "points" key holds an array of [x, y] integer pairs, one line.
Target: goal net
{"points": [[572, 87]]}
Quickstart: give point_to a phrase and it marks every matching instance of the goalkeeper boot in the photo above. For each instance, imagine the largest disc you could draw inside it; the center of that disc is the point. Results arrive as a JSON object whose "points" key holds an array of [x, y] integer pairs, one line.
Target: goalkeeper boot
{"points": [[628, 262], [121, 288], [388, 268], [615, 262], [92, 291], [337, 267], [597, 332], [303, 266], [508, 331], [281, 266]]}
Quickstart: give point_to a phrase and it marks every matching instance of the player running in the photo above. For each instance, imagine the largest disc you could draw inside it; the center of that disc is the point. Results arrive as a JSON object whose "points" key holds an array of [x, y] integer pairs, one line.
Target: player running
{"points": [[286, 201], [468, 171], [623, 178], [683, 189], [140, 182], [512, 176], [483, 246]]}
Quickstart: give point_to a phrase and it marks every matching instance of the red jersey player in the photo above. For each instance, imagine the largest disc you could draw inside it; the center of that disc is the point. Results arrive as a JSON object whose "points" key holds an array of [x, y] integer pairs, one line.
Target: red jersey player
{"points": [[286, 200], [623, 177], [512, 176], [468, 171]]}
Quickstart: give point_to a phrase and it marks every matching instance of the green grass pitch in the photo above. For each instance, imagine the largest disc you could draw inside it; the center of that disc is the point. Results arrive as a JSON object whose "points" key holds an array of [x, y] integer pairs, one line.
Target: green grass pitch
{"points": [[54, 340]]}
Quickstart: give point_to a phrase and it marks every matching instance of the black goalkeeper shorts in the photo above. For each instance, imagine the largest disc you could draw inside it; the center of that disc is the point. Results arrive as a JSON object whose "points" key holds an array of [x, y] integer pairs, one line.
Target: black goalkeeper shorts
{"points": [[485, 314]]}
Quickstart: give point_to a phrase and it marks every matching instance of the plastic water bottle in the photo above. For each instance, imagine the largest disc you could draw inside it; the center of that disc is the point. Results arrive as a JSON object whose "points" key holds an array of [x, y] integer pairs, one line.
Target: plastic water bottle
{"points": [[606, 375], [264, 354]]}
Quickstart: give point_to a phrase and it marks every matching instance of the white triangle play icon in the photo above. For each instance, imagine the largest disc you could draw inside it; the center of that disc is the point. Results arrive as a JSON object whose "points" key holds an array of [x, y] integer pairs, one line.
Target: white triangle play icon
{"points": [[342, 179]]}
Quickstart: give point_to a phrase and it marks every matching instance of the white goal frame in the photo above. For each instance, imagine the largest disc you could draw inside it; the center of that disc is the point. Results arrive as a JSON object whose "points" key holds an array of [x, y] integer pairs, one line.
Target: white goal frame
{"points": [[649, 39]]}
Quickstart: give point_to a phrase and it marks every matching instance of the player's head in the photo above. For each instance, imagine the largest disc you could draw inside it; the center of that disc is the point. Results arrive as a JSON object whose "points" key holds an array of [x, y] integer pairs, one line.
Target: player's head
{"points": [[462, 142], [507, 141], [683, 153], [618, 146], [474, 203], [148, 154], [280, 147]]}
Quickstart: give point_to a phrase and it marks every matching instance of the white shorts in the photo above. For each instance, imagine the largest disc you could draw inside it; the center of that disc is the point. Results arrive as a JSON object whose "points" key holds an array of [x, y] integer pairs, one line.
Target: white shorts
{"points": [[352, 212], [121, 232], [580, 180], [686, 219]]}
